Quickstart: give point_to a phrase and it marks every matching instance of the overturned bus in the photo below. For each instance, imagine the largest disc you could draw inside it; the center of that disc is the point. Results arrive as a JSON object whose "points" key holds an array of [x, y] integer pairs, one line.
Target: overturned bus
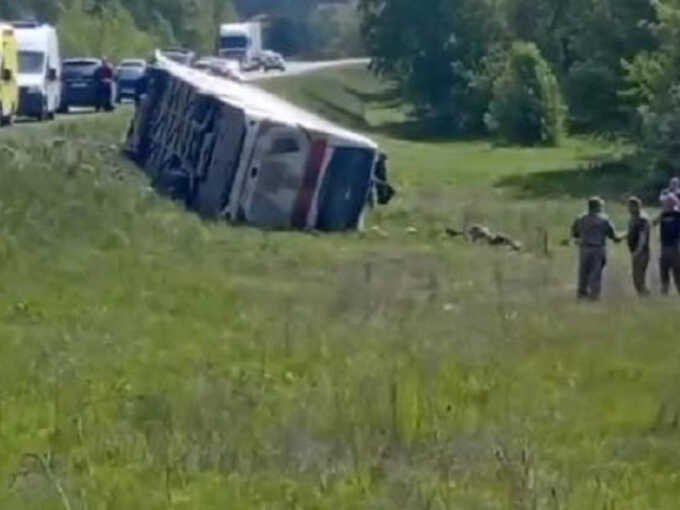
{"points": [[234, 151]]}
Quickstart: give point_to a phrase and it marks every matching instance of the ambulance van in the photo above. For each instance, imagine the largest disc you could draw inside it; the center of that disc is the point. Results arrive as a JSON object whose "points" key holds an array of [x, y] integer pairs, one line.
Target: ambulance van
{"points": [[9, 67]]}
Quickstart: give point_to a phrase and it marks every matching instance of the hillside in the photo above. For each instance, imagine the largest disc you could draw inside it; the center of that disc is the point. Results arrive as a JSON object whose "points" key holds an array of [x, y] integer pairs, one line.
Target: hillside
{"points": [[149, 360]]}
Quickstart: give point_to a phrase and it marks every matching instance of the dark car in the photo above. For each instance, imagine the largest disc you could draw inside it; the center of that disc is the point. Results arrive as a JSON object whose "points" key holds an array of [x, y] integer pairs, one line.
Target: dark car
{"points": [[128, 75], [80, 87]]}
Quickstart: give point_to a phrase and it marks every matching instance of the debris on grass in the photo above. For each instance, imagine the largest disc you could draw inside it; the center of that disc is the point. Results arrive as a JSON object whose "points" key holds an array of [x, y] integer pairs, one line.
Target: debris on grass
{"points": [[481, 233]]}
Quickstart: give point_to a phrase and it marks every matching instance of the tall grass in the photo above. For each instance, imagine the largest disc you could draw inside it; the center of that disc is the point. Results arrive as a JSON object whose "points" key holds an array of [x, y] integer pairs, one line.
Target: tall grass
{"points": [[149, 360]]}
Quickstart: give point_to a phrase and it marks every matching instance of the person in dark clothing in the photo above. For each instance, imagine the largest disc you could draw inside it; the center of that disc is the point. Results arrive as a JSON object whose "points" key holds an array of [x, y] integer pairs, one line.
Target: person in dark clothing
{"points": [[638, 244], [591, 231], [669, 228], [104, 76], [382, 189]]}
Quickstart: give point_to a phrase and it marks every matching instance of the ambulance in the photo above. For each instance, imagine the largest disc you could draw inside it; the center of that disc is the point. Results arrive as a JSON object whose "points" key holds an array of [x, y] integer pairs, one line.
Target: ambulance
{"points": [[9, 88]]}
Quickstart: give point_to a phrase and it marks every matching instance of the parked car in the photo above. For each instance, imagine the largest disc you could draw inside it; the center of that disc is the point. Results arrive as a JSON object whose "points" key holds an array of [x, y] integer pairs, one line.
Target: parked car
{"points": [[204, 64], [180, 55], [273, 61], [225, 68], [128, 74], [81, 87]]}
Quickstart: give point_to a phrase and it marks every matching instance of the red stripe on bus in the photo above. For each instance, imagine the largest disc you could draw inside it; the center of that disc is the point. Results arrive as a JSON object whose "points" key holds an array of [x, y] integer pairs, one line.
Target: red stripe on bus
{"points": [[305, 197]]}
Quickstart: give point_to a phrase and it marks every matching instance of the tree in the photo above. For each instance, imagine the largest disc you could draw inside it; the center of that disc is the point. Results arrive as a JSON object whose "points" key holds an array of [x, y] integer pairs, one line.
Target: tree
{"points": [[585, 42], [654, 79], [527, 106], [97, 32], [434, 52]]}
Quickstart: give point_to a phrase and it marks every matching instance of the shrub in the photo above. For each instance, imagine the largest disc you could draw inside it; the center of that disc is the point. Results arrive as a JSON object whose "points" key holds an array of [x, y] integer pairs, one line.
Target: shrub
{"points": [[527, 106]]}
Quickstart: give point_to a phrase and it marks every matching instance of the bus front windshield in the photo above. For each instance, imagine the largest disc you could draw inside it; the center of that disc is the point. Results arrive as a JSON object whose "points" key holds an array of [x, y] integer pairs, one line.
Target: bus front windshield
{"points": [[31, 62]]}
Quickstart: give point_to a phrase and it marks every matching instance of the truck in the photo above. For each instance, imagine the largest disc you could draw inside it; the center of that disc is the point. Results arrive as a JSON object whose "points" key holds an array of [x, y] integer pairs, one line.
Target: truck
{"points": [[241, 42], [39, 69]]}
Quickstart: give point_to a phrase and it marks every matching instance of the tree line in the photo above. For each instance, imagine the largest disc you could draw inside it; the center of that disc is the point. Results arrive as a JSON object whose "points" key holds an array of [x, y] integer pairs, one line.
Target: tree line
{"points": [[120, 28], [528, 70]]}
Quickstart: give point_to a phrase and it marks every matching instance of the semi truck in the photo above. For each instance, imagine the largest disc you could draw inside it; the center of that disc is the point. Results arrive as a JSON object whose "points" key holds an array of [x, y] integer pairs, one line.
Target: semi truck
{"points": [[241, 42]]}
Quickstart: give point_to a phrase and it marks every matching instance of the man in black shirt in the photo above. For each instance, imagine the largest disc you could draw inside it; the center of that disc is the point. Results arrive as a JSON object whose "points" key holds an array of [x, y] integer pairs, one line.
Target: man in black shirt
{"points": [[669, 225], [638, 244]]}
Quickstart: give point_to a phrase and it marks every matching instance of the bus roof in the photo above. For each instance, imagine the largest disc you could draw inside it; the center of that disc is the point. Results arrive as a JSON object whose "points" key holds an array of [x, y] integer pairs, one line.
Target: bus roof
{"points": [[260, 104]]}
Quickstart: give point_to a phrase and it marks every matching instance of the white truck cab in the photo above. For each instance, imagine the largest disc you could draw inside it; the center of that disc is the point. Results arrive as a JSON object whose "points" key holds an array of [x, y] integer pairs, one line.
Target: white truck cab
{"points": [[241, 42], [39, 70]]}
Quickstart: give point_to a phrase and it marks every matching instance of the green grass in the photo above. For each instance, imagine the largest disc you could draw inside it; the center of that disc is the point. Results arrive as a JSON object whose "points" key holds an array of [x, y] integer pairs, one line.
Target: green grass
{"points": [[149, 360]]}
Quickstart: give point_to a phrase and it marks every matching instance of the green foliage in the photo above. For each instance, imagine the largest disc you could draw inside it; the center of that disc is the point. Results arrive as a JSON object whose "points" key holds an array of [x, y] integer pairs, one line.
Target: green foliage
{"points": [[527, 106], [308, 27], [334, 31], [438, 51], [434, 52], [654, 82], [99, 34]]}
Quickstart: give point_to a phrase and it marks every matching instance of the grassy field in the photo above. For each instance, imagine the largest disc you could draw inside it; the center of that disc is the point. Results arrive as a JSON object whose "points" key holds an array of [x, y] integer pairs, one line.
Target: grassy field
{"points": [[149, 360]]}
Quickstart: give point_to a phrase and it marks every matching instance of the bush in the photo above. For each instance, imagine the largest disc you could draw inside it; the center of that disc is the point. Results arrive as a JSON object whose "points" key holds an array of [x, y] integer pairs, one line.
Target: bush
{"points": [[527, 106], [660, 147]]}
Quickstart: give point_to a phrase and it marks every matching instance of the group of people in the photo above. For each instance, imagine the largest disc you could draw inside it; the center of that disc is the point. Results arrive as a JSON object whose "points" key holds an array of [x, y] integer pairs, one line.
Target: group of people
{"points": [[592, 230]]}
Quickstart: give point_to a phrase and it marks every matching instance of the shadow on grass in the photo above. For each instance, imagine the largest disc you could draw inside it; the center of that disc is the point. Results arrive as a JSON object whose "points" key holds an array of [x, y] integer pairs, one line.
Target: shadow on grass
{"points": [[387, 97], [613, 179]]}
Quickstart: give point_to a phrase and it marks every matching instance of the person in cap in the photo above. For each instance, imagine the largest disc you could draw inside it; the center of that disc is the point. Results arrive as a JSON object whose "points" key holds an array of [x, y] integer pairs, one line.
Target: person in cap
{"points": [[669, 230], [591, 231], [638, 243]]}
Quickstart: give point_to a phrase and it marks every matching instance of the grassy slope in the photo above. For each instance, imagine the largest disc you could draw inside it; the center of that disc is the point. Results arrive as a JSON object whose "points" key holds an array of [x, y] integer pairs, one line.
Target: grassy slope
{"points": [[154, 361]]}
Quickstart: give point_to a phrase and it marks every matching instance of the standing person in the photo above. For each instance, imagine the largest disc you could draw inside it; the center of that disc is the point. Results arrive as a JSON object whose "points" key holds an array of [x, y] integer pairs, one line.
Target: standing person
{"points": [[382, 191], [591, 231], [104, 79], [672, 189], [669, 229], [638, 244]]}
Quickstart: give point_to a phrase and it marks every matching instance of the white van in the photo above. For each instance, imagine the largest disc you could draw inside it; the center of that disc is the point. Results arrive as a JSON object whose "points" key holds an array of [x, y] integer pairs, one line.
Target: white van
{"points": [[39, 70]]}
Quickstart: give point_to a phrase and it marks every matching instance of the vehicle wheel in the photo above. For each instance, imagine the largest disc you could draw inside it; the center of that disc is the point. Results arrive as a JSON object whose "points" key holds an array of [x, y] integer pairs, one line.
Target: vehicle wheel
{"points": [[42, 116], [6, 120], [50, 115], [63, 109]]}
